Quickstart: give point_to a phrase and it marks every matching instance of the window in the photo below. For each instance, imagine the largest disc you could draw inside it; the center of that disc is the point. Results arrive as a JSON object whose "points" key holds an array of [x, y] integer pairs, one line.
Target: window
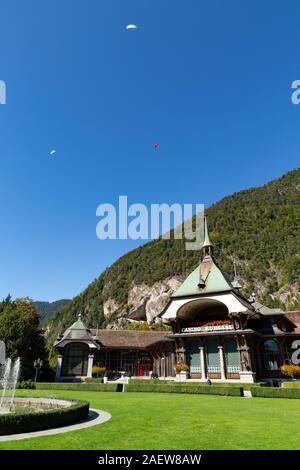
{"points": [[270, 355], [193, 356], [231, 356], [213, 357], [75, 361]]}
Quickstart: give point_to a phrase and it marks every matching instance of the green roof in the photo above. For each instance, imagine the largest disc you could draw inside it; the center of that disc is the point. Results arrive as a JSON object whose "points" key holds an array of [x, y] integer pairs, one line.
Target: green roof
{"points": [[78, 325], [215, 281]]}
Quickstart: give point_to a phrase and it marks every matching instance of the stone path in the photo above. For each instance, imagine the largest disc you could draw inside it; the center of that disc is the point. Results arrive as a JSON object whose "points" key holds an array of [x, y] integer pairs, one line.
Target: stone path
{"points": [[95, 417]]}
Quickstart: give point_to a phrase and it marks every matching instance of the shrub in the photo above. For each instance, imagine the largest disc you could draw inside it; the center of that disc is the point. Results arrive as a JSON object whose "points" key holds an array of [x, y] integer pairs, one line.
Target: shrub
{"points": [[184, 388], [291, 370], [26, 384], [93, 380], [87, 387], [275, 392], [39, 420]]}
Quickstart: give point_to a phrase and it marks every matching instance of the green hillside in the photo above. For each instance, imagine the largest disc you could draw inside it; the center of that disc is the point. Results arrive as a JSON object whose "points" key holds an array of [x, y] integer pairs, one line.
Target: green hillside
{"points": [[260, 227], [46, 309]]}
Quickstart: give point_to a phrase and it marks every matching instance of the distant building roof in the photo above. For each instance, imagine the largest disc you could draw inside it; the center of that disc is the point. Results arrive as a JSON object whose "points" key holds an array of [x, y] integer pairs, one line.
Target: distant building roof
{"points": [[266, 310], [294, 316], [129, 339], [76, 332]]}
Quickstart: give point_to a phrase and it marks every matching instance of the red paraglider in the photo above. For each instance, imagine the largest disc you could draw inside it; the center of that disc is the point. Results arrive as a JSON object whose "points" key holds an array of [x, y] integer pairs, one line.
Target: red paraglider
{"points": [[155, 146]]}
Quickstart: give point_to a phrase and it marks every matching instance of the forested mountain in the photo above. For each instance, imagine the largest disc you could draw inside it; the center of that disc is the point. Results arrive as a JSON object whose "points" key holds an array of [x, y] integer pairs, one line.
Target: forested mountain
{"points": [[46, 309], [259, 227]]}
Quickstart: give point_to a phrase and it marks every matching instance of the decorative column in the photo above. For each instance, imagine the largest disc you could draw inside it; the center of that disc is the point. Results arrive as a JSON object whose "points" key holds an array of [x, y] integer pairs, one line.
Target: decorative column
{"points": [[163, 365], [222, 362], [202, 363], [90, 366], [58, 367], [246, 373], [181, 352]]}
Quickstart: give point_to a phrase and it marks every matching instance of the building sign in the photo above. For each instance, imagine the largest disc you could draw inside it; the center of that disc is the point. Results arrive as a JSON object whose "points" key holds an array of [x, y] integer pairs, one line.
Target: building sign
{"points": [[209, 326]]}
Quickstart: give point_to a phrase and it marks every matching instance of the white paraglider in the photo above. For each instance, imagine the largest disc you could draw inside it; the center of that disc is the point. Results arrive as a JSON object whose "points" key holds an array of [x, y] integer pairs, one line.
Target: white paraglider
{"points": [[131, 26]]}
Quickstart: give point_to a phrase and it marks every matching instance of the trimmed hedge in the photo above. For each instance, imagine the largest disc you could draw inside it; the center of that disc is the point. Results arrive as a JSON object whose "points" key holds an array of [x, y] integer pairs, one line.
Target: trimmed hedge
{"points": [[94, 380], [40, 420], [199, 384], [275, 392], [82, 387], [183, 388]]}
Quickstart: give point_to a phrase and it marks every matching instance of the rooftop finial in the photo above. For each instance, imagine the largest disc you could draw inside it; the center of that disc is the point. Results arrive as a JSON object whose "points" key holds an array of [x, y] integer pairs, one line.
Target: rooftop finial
{"points": [[79, 316]]}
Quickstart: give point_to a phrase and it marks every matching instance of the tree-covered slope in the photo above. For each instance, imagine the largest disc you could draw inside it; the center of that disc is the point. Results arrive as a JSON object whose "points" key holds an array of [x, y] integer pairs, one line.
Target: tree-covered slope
{"points": [[260, 227], [46, 309]]}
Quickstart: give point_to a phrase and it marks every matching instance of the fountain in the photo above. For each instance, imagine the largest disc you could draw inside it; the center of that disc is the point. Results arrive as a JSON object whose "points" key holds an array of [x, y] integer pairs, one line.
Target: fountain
{"points": [[25, 414], [9, 379]]}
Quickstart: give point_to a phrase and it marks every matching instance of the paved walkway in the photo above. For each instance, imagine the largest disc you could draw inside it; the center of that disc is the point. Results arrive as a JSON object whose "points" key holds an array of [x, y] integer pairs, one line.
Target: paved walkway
{"points": [[95, 417]]}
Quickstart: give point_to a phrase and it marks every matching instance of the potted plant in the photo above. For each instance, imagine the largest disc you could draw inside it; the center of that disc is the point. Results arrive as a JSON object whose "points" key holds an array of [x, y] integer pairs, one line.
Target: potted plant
{"points": [[291, 370], [98, 372], [181, 371]]}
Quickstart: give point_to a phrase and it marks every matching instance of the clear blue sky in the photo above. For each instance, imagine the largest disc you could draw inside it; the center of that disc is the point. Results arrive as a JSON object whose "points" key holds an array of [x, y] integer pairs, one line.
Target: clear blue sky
{"points": [[210, 81]]}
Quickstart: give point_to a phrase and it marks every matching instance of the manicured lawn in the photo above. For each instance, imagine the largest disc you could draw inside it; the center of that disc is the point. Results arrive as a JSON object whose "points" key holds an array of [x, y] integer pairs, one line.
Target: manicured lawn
{"points": [[178, 421]]}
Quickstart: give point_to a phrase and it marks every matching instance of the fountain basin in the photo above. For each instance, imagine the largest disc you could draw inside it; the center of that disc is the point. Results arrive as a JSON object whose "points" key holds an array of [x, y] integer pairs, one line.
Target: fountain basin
{"points": [[40, 413]]}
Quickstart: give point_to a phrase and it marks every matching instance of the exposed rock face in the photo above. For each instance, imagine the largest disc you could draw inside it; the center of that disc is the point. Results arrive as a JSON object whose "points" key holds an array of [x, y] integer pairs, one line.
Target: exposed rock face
{"points": [[154, 298], [145, 302], [110, 307]]}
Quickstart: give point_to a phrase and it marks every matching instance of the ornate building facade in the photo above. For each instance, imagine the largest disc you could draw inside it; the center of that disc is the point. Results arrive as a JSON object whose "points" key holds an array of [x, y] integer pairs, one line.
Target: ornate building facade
{"points": [[223, 335]]}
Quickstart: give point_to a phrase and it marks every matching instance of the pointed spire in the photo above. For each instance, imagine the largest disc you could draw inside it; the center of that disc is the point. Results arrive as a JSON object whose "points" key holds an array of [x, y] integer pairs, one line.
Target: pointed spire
{"points": [[207, 242], [207, 246]]}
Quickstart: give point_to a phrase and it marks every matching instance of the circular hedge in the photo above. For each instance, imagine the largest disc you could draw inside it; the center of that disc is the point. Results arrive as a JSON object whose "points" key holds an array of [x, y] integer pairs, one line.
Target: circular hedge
{"points": [[40, 420]]}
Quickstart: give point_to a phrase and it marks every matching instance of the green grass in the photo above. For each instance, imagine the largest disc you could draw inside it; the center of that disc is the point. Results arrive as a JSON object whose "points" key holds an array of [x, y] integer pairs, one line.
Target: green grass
{"points": [[177, 421], [291, 384]]}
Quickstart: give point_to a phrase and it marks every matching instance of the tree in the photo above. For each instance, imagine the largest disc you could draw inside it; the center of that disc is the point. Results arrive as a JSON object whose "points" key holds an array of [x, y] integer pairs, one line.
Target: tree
{"points": [[19, 329]]}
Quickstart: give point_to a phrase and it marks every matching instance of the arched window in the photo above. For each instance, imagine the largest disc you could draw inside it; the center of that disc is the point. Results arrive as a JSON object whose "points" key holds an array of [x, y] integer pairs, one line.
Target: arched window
{"points": [[212, 356], [231, 356], [75, 360], [270, 355]]}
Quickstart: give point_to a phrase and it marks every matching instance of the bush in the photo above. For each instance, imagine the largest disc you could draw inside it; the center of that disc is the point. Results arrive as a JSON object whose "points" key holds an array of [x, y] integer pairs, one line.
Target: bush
{"points": [[80, 387], [184, 388], [93, 380], [26, 384], [39, 420], [275, 392]]}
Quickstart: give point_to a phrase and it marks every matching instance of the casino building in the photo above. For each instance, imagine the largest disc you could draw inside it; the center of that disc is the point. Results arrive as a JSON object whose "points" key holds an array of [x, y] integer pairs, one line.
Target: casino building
{"points": [[216, 331]]}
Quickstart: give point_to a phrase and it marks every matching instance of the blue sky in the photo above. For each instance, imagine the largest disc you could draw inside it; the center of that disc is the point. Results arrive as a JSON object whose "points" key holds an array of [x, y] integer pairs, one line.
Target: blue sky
{"points": [[210, 81]]}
